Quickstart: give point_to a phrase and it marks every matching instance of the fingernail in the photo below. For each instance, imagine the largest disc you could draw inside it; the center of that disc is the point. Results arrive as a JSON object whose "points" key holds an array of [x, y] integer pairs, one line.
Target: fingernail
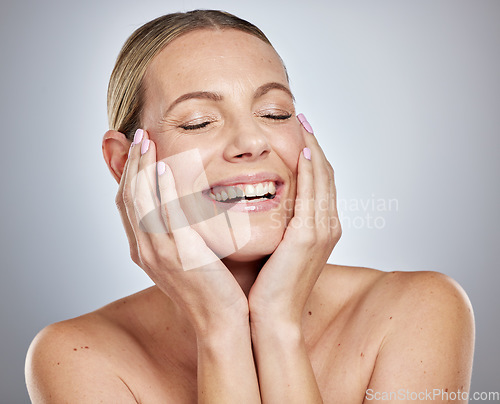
{"points": [[307, 153], [138, 136], [145, 146], [130, 148], [160, 167], [307, 126]]}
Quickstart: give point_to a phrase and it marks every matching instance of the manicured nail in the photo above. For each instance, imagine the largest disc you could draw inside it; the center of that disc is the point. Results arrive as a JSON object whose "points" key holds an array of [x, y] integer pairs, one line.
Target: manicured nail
{"points": [[307, 126], [160, 167], [130, 148], [145, 146], [307, 153], [138, 136]]}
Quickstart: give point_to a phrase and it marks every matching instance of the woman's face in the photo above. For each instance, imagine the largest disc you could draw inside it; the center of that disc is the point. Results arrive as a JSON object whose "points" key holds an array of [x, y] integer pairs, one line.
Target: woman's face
{"points": [[219, 109]]}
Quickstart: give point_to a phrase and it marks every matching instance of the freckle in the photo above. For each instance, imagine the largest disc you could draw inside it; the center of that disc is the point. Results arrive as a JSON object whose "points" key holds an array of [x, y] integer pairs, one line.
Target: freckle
{"points": [[86, 347], [446, 389], [74, 349], [390, 318], [425, 372], [310, 313], [168, 328], [58, 363], [338, 345], [362, 354]]}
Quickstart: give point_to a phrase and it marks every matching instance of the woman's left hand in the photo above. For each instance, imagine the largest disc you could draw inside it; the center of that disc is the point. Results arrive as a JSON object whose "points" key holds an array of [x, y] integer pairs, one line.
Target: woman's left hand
{"points": [[285, 282]]}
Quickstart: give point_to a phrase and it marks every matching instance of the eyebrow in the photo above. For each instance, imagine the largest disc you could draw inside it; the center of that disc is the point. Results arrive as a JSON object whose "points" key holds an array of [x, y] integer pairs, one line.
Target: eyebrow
{"points": [[265, 88], [208, 95]]}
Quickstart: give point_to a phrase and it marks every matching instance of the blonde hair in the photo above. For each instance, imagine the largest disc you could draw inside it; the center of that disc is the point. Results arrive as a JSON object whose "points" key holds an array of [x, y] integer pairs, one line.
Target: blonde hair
{"points": [[125, 90]]}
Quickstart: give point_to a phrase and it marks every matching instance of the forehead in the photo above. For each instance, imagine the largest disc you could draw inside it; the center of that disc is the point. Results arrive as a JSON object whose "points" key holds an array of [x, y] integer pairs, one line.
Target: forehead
{"points": [[212, 59]]}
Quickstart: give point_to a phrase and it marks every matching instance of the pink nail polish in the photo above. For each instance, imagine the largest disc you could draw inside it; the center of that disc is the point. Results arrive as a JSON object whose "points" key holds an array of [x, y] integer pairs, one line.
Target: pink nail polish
{"points": [[307, 153], [138, 136], [145, 146], [307, 126], [160, 167]]}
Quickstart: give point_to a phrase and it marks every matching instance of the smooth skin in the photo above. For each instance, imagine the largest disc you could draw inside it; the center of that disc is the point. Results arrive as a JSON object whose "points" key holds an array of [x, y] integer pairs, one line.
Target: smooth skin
{"points": [[272, 322]]}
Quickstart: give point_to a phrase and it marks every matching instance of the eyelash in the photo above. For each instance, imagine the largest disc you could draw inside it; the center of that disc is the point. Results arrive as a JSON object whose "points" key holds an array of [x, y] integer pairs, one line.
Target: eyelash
{"points": [[206, 123], [278, 117], [197, 126]]}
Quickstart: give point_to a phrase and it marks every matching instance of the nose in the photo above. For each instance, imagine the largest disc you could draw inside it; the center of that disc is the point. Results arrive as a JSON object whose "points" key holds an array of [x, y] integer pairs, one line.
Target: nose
{"points": [[246, 142]]}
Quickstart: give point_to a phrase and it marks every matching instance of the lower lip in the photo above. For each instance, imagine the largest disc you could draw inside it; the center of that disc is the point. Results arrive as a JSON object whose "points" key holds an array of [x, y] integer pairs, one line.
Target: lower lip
{"points": [[251, 206]]}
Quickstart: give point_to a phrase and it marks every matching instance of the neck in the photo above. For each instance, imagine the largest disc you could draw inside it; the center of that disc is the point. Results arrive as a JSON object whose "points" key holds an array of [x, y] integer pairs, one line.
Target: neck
{"points": [[245, 273]]}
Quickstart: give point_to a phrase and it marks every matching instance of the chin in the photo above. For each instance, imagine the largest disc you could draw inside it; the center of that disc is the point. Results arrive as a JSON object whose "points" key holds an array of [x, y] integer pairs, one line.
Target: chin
{"points": [[261, 245], [244, 240]]}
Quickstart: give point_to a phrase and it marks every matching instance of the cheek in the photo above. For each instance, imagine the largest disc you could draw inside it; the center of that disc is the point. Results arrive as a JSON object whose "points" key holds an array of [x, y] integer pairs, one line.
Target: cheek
{"points": [[289, 145], [187, 162]]}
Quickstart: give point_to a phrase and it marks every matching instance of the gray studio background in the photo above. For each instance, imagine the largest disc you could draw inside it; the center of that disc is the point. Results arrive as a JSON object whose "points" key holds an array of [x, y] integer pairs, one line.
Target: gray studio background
{"points": [[404, 97]]}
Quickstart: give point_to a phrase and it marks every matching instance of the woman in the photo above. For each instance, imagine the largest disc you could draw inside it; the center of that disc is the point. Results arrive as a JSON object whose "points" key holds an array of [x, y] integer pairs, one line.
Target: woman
{"points": [[229, 205]]}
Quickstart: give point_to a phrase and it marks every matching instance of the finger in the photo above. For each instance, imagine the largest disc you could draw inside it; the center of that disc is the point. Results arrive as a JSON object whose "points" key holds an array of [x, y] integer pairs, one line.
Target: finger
{"points": [[304, 201], [335, 227], [141, 241], [191, 248], [171, 210], [146, 201], [123, 194], [321, 175]]}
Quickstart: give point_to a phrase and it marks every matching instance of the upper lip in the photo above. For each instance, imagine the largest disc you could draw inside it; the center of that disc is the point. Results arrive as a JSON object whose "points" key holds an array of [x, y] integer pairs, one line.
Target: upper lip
{"points": [[252, 178]]}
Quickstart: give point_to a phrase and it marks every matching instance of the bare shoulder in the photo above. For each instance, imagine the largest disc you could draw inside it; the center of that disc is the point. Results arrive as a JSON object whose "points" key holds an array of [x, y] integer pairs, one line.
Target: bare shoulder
{"points": [[424, 297], [426, 326], [425, 293], [75, 361]]}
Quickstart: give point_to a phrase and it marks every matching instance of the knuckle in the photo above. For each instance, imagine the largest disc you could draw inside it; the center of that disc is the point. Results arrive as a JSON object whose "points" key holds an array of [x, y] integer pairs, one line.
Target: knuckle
{"points": [[126, 197], [336, 232], [135, 255], [142, 256], [307, 238], [146, 259], [119, 202]]}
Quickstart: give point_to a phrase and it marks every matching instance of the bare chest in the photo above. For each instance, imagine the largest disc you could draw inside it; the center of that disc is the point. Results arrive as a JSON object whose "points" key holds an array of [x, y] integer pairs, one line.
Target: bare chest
{"points": [[342, 359]]}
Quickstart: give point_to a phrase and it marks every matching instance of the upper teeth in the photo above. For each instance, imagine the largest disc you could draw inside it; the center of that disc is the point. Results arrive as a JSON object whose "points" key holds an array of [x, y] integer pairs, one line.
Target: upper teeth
{"points": [[222, 193]]}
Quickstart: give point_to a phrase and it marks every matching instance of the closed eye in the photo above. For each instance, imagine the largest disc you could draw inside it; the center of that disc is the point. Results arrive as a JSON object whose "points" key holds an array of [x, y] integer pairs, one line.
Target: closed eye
{"points": [[277, 117], [202, 125], [196, 126]]}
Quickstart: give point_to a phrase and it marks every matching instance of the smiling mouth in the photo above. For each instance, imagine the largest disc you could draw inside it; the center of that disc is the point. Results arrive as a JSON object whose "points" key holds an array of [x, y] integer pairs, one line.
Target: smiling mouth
{"points": [[256, 192]]}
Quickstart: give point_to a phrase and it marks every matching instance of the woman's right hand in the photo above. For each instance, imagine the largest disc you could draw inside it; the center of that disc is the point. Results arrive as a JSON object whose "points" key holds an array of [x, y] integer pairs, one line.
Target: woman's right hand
{"points": [[209, 294]]}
